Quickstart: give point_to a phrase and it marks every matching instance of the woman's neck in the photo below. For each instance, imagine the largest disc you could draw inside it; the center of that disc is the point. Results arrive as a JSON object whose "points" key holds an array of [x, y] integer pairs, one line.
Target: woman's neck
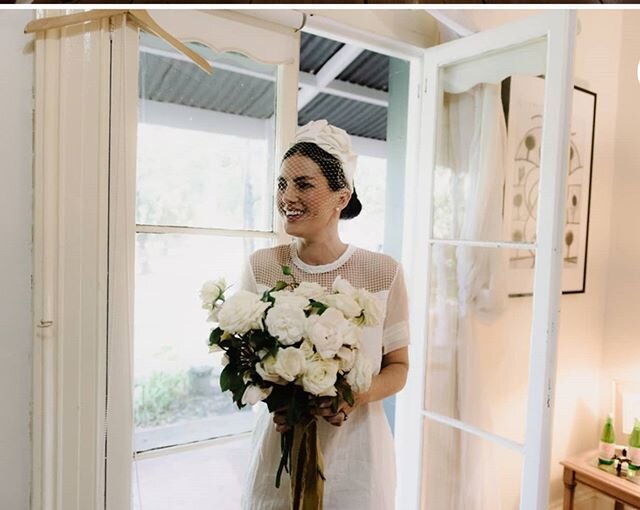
{"points": [[318, 252]]}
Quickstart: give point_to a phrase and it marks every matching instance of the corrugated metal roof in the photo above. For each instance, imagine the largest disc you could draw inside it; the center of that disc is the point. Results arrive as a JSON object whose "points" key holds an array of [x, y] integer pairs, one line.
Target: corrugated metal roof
{"points": [[369, 69], [359, 119], [315, 51], [174, 81], [171, 80]]}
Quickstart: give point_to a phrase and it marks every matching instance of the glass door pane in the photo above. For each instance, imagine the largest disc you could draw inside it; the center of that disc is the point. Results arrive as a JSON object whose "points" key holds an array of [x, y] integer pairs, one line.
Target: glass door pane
{"points": [[205, 142], [478, 350], [483, 235], [205, 181]]}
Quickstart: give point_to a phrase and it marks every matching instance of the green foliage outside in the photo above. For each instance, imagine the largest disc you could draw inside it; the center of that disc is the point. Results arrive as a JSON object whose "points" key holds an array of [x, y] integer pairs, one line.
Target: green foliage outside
{"points": [[165, 398]]}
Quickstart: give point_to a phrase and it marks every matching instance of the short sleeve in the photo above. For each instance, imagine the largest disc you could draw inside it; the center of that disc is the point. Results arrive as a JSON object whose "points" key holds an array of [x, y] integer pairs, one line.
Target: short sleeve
{"points": [[395, 333], [247, 278]]}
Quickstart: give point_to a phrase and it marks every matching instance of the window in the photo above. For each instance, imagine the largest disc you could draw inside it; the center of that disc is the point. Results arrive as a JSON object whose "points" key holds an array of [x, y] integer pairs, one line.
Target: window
{"points": [[204, 203]]}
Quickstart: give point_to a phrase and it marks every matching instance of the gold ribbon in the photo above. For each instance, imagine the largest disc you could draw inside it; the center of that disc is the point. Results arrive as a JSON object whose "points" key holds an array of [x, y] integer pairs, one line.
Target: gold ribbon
{"points": [[307, 467]]}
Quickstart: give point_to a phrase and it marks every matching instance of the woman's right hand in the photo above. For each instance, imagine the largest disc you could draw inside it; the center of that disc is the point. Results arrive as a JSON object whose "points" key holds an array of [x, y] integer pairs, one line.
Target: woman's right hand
{"points": [[280, 419]]}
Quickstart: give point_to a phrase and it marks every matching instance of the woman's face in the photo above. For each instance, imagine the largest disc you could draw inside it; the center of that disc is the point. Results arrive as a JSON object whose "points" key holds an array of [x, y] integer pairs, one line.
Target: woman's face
{"points": [[305, 201]]}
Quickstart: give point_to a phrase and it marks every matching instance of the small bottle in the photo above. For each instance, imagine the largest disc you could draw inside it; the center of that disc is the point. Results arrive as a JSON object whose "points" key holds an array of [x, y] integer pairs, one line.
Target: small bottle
{"points": [[607, 446], [634, 449]]}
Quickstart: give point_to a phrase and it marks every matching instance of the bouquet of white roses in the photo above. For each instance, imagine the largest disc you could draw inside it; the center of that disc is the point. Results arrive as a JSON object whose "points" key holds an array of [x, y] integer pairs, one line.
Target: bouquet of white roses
{"points": [[291, 345]]}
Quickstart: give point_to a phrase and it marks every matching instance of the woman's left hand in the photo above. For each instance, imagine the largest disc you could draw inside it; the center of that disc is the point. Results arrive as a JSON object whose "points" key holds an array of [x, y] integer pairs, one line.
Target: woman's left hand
{"points": [[323, 408]]}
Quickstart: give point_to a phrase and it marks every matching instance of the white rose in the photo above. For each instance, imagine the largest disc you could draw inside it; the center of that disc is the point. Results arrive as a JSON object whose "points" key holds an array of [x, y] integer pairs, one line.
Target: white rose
{"points": [[343, 286], [352, 335], [241, 312], [286, 323], [346, 358], [359, 378], [290, 363], [266, 370], [343, 302], [254, 394], [211, 291], [284, 297], [307, 349], [213, 314], [370, 308], [325, 332], [309, 290], [320, 377]]}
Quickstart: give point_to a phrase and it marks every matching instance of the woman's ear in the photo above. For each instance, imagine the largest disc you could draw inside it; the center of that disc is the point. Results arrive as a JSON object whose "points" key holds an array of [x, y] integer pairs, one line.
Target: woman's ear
{"points": [[345, 196]]}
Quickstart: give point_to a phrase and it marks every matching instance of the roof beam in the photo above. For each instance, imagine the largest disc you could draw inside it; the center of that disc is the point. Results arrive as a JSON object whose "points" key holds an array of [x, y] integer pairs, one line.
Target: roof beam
{"points": [[328, 72], [307, 80]]}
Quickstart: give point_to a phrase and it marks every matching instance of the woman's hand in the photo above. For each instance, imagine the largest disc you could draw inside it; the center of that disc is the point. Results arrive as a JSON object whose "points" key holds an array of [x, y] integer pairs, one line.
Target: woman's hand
{"points": [[323, 408]]}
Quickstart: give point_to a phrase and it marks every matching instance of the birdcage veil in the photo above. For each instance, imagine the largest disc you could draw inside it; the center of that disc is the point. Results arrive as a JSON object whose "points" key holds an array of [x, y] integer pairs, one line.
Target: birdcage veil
{"points": [[318, 145]]}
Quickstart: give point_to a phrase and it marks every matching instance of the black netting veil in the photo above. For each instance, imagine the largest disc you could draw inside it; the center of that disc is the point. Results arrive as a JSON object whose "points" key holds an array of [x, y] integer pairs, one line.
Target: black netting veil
{"points": [[311, 185]]}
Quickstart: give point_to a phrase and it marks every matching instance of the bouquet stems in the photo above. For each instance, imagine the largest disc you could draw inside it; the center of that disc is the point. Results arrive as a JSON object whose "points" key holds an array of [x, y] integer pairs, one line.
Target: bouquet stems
{"points": [[307, 465], [302, 459]]}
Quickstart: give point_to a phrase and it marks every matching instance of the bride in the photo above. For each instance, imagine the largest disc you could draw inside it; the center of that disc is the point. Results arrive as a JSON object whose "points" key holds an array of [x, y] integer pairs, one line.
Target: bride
{"points": [[315, 191]]}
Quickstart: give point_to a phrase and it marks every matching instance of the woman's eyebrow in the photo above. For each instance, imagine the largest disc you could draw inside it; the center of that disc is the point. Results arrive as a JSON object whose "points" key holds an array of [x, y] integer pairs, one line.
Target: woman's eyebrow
{"points": [[303, 178]]}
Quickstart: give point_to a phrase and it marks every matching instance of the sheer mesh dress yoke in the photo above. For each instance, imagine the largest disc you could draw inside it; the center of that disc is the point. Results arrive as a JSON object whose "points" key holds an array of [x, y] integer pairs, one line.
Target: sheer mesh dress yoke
{"points": [[378, 273], [359, 456]]}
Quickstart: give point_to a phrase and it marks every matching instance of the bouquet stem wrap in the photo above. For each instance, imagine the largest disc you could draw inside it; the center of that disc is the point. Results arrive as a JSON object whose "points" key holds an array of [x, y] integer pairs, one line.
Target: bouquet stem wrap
{"points": [[307, 466]]}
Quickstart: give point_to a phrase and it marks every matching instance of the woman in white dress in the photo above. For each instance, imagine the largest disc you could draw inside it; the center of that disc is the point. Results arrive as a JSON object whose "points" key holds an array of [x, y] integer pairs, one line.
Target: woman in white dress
{"points": [[315, 191]]}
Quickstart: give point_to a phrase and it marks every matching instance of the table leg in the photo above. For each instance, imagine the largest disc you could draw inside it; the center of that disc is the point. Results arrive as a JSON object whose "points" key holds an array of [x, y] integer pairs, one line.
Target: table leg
{"points": [[618, 506], [569, 479]]}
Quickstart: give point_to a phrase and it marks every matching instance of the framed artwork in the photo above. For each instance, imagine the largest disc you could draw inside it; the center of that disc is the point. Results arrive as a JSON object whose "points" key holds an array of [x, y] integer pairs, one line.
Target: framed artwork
{"points": [[523, 103]]}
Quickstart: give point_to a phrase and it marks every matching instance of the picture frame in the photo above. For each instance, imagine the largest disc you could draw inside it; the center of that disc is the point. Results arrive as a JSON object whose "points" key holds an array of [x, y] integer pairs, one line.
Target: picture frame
{"points": [[523, 100]]}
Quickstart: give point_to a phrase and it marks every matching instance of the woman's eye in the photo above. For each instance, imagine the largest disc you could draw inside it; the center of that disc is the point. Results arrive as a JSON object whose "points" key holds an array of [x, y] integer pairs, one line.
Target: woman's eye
{"points": [[304, 185]]}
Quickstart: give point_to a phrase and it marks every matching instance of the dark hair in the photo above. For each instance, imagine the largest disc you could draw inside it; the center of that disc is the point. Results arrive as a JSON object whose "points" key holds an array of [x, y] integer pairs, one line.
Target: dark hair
{"points": [[331, 167]]}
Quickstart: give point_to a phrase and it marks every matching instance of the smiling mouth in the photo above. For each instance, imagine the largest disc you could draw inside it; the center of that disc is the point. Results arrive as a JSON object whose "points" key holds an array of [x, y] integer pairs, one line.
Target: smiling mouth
{"points": [[292, 215]]}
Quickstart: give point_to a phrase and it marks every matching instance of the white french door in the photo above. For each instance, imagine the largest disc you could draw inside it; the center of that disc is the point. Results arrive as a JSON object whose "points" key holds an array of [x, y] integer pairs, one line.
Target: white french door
{"points": [[190, 200], [486, 205]]}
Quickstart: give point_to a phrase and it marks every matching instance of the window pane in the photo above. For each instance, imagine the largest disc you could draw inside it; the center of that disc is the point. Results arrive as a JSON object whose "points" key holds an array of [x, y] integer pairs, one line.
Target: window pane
{"points": [[205, 143], [177, 393], [193, 478], [367, 229], [479, 341], [463, 471]]}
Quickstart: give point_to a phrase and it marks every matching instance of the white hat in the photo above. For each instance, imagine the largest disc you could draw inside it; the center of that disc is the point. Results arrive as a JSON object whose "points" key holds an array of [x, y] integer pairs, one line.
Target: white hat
{"points": [[335, 141]]}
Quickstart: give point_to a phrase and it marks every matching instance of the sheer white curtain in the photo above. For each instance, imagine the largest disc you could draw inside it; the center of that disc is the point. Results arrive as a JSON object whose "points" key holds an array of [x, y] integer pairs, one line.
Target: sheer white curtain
{"points": [[467, 287]]}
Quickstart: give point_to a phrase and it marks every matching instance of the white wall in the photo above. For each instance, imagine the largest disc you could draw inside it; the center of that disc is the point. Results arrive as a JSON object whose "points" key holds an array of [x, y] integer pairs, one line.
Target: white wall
{"points": [[621, 340], [414, 27], [15, 260], [582, 326]]}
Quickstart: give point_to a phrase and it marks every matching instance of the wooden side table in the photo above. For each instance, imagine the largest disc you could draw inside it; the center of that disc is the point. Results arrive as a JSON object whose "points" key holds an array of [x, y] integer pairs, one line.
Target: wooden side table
{"points": [[584, 469]]}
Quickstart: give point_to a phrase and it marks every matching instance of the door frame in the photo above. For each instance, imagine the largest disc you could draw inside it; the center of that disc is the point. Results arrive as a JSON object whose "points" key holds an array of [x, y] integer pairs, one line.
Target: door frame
{"points": [[559, 28]]}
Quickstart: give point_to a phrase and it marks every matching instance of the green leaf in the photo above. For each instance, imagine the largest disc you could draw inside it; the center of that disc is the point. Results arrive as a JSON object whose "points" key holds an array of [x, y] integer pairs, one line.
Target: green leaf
{"points": [[230, 379], [279, 397], [347, 396], [238, 392], [318, 307], [286, 270], [335, 403], [215, 336], [280, 285]]}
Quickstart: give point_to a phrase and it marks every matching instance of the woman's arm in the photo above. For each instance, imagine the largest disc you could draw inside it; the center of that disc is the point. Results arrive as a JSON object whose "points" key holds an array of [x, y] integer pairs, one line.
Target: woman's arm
{"points": [[390, 380]]}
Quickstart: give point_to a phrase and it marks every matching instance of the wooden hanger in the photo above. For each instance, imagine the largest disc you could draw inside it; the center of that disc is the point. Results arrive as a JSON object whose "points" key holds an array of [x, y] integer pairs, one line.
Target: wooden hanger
{"points": [[139, 17]]}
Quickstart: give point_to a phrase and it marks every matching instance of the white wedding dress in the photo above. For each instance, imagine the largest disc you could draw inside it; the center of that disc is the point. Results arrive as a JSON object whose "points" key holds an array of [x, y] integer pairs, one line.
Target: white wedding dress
{"points": [[359, 456]]}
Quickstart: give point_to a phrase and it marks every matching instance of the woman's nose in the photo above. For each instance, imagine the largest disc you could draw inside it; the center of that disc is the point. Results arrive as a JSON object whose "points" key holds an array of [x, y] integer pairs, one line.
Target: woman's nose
{"points": [[289, 194]]}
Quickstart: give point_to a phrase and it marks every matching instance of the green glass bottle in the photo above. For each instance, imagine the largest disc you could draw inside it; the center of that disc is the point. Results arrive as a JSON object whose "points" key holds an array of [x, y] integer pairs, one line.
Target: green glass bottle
{"points": [[607, 446], [634, 449]]}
